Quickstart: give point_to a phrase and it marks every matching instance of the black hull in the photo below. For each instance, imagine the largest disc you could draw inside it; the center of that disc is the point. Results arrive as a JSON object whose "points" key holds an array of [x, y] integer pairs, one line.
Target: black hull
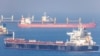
{"points": [[6, 34], [10, 34], [52, 47]]}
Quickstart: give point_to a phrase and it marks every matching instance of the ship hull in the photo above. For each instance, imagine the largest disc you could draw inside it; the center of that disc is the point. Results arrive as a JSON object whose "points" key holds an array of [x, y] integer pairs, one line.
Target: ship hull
{"points": [[6, 34], [52, 47], [50, 25], [9, 34]]}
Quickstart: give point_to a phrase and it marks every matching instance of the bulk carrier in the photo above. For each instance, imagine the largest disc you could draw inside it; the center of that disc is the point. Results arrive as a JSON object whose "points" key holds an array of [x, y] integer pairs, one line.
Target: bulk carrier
{"points": [[80, 40], [48, 22]]}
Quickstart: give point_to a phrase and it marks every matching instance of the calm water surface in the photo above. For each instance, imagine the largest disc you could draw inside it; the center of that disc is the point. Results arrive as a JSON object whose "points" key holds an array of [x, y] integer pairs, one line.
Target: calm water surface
{"points": [[45, 35]]}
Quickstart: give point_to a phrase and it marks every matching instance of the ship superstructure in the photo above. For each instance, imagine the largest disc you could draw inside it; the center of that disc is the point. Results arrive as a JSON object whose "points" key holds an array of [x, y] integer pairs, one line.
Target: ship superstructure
{"points": [[44, 19], [80, 40], [81, 37], [4, 31]]}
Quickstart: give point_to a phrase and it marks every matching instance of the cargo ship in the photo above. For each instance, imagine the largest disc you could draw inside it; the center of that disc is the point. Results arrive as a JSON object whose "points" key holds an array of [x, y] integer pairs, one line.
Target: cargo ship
{"points": [[80, 40], [4, 31], [48, 22]]}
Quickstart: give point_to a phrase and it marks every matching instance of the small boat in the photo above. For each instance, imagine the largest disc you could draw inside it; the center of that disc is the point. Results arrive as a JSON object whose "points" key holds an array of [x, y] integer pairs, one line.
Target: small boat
{"points": [[48, 22], [80, 40]]}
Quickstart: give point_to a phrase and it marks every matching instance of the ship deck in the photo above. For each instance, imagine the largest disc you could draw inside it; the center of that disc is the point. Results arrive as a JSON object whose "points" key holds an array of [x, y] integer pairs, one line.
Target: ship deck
{"points": [[22, 41], [57, 25]]}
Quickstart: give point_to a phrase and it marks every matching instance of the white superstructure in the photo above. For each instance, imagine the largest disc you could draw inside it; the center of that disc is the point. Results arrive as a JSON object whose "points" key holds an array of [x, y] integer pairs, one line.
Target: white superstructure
{"points": [[80, 37], [46, 18], [3, 29]]}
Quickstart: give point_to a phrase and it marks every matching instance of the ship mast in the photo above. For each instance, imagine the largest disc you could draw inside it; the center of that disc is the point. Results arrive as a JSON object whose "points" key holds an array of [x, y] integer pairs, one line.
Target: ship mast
{"points": [[80, 21], [13, 35], [67, 20], [80, 24]]}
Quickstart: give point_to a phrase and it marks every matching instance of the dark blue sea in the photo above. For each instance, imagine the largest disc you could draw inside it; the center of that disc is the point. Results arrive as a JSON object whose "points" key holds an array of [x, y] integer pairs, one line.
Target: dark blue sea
{"points": [[48, 34]]}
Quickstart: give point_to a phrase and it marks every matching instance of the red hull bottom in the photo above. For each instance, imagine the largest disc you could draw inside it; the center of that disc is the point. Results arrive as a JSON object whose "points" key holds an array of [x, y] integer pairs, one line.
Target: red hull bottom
{"points": [[88, 25]]}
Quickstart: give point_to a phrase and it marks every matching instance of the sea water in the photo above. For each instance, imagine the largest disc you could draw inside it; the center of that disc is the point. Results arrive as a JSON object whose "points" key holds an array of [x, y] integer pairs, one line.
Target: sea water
{"points": [[46, 34]]}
